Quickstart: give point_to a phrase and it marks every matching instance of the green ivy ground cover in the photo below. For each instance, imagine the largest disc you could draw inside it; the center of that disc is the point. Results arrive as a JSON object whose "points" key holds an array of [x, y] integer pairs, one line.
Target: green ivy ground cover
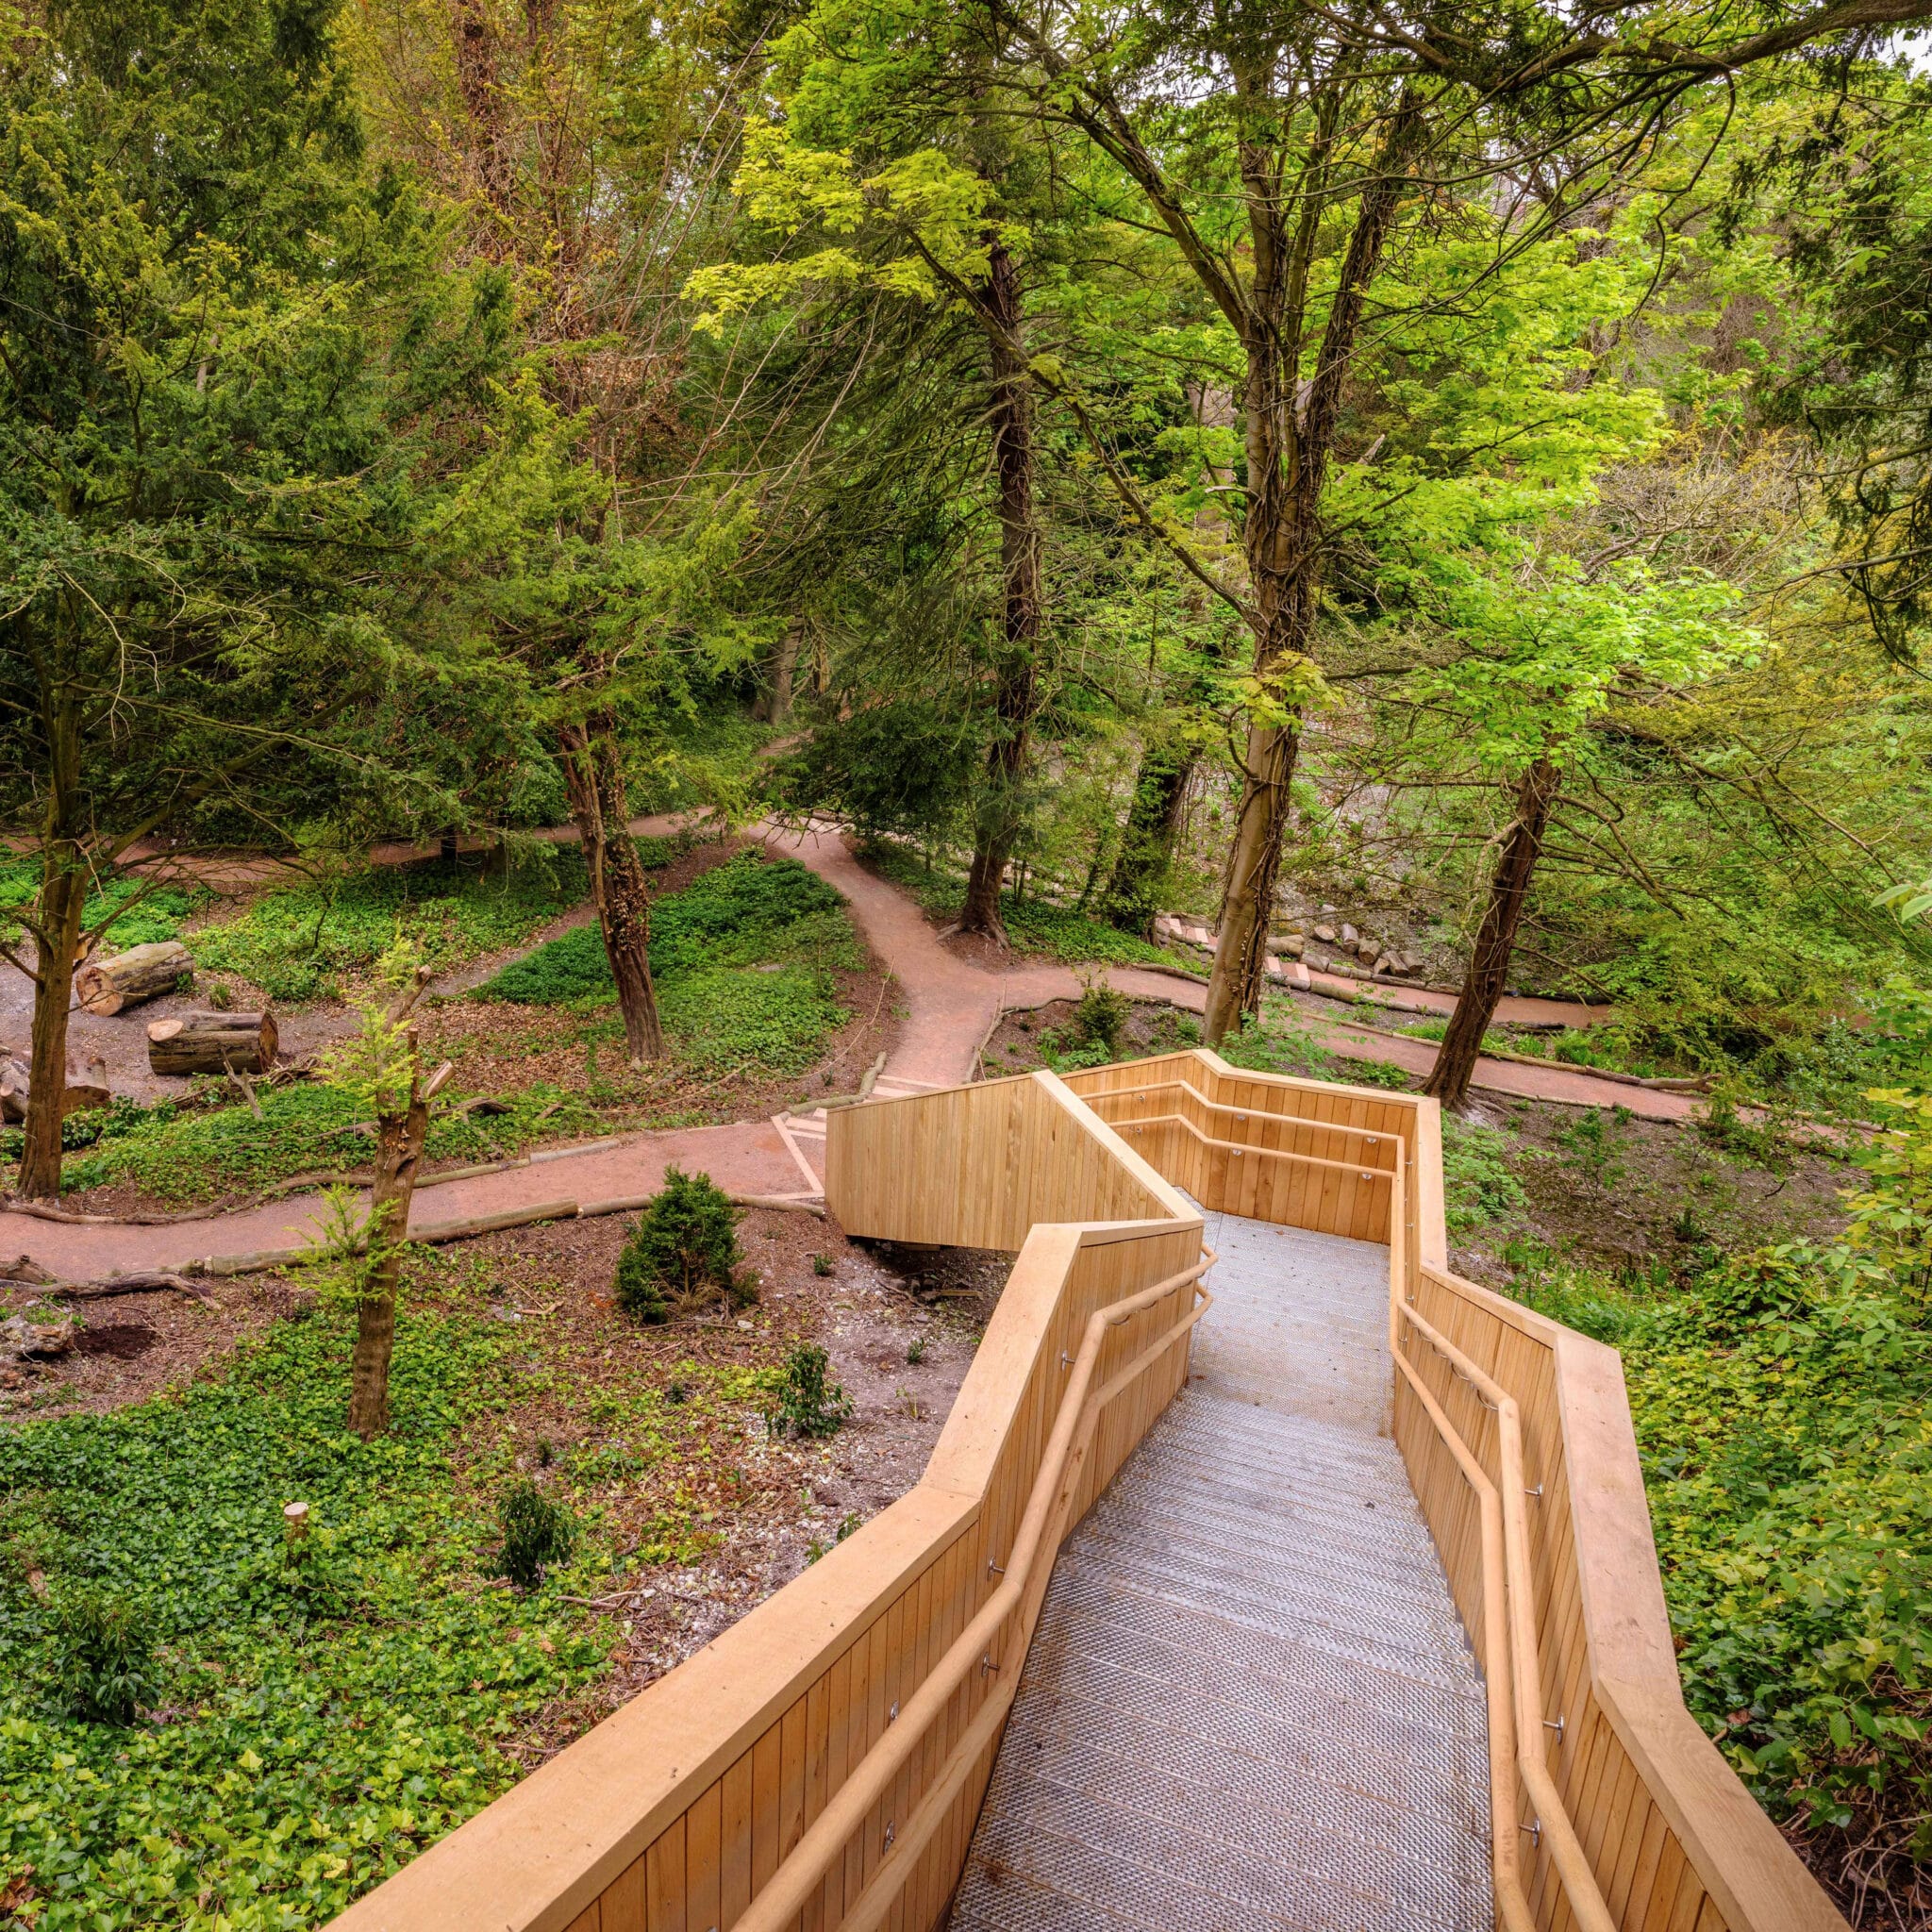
{"points": [[302, 1748], [313, 1729], [199, 1156], [1781, 1407], [159, 916], [301, 942], [742, 958]]}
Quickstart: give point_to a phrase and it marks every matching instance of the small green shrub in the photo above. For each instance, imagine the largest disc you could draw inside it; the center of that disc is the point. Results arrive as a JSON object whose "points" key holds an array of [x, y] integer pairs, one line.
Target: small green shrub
{"points": [[105, 1670], [1479, 1186], [537, 1532], [915, 1350], [1101, 1018], [809, 1406], [684, 1246], [822, 1264]]}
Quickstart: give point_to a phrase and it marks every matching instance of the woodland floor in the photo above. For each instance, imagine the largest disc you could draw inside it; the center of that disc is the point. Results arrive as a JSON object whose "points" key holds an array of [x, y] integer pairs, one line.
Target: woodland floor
{"points": [[720, 1512], [1599, 1187]]}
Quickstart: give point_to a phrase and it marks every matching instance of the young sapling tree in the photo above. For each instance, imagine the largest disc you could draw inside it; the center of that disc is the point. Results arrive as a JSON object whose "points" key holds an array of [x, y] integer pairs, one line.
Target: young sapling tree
{"points": [[381, 1065]]}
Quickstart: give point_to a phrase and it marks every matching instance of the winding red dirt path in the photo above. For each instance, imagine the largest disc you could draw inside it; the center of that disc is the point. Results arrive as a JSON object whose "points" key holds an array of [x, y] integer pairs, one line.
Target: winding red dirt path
{"points": [[952, 1006]]}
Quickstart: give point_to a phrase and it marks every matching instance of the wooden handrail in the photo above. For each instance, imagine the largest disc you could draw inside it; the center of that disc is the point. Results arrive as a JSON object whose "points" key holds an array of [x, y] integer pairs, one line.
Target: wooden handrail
{"points": [[1509, 1640], [1022, 1587], [1373, 1137], [1177, 1120], [1505, 1861]]}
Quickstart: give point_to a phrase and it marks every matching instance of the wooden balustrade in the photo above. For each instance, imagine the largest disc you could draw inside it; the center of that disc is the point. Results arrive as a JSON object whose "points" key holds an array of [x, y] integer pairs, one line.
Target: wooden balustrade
{"points": [[675, 1814], [681, 1809], [1674, 1841]]}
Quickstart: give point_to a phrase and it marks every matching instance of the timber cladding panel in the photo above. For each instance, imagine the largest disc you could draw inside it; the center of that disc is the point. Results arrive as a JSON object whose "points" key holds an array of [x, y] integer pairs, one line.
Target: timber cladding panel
{"points": [[674, 1813]]}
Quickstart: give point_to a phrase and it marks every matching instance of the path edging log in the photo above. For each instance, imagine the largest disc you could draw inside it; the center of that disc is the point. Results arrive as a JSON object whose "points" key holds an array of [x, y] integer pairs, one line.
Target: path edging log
{"points": [[437, 1233]]}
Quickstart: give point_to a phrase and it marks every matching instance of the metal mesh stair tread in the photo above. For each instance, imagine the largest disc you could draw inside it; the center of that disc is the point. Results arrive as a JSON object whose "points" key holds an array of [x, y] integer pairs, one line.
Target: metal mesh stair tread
{"points": [[1301, 1740], [1310, 1617], [1341, 1495], [1413, 1720], [1113, 1741], [1281, 1873], [1250, 1702], [1023, 1878], [1204, 1535]]}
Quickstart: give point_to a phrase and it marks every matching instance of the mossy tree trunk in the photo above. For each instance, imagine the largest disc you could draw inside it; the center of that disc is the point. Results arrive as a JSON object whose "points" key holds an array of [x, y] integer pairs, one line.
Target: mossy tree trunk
{"points": [[400, 1132], [619, 888], [1488, 976], [1016, 690]]}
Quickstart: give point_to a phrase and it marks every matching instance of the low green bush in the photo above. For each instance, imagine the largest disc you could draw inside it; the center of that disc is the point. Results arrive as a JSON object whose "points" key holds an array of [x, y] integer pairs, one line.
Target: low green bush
{"points": [[1101, 1018], [1479, 1183], [810, 1403], [537, 1532], [683, 1249], [104, 1670]]}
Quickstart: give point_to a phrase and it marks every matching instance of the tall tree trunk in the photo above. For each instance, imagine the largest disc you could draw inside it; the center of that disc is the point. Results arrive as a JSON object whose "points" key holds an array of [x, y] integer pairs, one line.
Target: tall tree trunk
{"points": [[619, 889], [1489, 960], [1017, 673], [774, 703], [55, 925], [398, 1152], [1146, 854], [1290, 433], [56, 920]]}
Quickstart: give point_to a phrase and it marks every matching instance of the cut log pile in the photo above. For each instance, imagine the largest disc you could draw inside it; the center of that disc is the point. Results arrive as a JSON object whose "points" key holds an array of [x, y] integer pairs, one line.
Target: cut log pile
{"points": [[141, 972], [213, 1043]]}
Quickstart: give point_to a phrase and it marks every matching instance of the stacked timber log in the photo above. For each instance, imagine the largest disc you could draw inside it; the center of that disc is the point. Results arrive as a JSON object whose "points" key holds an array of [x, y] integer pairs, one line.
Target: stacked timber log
{"points": [[213, 1043], [141, 972]]}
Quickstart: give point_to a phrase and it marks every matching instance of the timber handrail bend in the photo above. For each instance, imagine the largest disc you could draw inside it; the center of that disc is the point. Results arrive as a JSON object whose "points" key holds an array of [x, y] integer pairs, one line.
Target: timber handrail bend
{"points": [[1369, 1136], [1510, 1659], [779, 1902]]}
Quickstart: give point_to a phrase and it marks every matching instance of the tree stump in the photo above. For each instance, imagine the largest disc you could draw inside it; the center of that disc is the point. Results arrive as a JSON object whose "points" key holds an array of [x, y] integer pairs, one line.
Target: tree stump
{"points": [[141, 972], [213, 1043], [87, 1084]]}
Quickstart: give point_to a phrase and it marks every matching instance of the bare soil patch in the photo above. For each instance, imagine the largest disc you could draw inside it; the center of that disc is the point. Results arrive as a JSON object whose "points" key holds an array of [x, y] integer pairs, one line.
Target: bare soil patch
{"points": [[1037, 1036]]}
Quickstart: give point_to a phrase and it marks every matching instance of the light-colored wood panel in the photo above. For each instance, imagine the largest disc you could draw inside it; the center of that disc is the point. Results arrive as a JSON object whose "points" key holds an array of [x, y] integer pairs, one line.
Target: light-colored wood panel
{"points": [[679, 1807]]}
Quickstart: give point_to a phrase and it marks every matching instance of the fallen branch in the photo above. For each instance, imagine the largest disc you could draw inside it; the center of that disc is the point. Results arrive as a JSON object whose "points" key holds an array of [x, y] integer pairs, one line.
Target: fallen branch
{"points": [[437, 1232], [864, 1093], [149, 1281], [636, 1204]]}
